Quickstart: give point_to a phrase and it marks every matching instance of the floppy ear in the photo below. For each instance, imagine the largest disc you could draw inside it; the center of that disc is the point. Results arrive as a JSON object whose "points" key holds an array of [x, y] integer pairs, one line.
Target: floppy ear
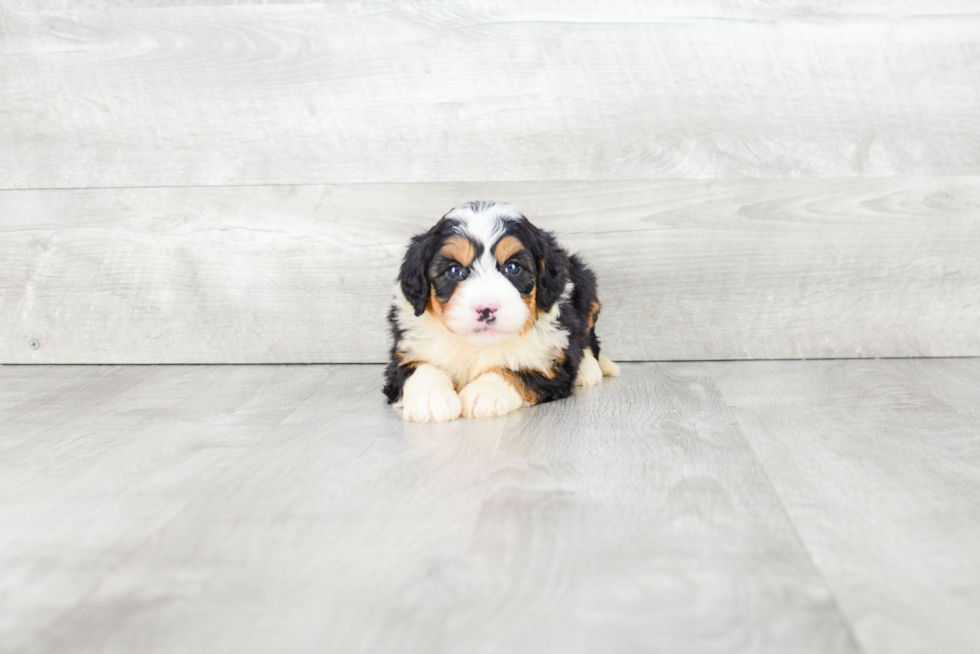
{"points": [[414, 274], [553, 268]]}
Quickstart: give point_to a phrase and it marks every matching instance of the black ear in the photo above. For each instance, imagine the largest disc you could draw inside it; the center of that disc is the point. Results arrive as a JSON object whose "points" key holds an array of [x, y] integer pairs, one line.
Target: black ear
{"points": [[414, 273], [553, 266]]}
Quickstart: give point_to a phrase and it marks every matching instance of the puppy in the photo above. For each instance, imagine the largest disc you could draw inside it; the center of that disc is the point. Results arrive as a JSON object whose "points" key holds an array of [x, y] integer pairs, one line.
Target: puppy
{"points": [[489, 315]]}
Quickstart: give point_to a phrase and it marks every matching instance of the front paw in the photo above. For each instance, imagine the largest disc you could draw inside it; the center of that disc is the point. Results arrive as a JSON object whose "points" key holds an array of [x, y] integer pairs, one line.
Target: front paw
{"points": [[490, 395], [589, 371], [432, 406]]}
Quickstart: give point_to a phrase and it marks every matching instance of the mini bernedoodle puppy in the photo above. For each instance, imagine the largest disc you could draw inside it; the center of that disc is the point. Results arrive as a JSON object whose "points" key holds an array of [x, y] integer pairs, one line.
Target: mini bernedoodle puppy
{"points": [[489, 315]]}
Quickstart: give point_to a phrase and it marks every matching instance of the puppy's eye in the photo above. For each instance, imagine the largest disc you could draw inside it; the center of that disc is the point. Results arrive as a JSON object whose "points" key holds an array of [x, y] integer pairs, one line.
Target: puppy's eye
{"points": [[454, 272], [512, 268]]}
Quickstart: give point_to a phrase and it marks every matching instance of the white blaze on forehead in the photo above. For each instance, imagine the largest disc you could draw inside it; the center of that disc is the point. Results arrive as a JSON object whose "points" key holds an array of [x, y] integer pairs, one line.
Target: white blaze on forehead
{"points": [[484, 223]]}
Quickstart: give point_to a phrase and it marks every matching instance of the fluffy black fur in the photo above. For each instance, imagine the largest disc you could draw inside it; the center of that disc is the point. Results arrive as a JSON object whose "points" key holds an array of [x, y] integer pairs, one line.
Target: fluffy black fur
{"points": [[574, 316], [397, 372], [414, 275]]}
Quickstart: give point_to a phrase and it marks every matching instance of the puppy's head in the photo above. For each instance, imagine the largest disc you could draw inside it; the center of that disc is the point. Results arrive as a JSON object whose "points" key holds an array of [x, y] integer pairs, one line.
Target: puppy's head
{"points": [[484, 271]]}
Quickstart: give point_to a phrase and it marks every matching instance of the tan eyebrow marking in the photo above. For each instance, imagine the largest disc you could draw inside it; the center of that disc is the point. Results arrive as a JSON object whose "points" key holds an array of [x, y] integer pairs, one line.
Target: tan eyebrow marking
{"points": [[507, 247], [459, 249]]}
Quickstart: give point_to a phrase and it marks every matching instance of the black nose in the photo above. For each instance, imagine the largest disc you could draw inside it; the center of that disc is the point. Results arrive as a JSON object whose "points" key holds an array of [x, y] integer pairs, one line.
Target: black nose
{"points": [[484, 314]]}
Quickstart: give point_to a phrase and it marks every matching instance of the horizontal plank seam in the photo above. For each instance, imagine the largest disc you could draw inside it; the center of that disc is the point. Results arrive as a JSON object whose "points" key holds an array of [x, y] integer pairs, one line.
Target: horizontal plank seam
{"points": [[381, 363], [897, 358]]}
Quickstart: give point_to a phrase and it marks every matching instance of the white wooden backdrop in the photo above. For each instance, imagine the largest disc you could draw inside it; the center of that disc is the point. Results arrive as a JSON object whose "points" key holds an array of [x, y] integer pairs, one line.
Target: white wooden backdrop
{"points": [[207, 181]]}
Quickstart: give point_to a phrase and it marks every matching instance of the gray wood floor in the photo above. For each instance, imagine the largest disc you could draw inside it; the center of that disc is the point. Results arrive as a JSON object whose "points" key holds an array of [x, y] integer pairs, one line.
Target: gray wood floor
{"points": [[700, 507]]}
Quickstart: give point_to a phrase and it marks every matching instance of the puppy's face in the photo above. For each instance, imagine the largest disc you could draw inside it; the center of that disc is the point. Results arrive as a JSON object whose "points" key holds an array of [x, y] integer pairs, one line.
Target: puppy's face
{"points": [[483, 289], [483, 271]]}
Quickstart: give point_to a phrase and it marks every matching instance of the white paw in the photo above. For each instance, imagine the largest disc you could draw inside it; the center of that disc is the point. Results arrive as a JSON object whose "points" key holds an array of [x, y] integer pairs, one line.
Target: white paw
{"points": [[589, 372], [609, 369], [489, 395], [432, 406]]}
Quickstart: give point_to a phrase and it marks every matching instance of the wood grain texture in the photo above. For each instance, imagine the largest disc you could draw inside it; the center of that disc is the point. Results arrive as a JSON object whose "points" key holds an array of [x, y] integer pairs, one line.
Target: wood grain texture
{"points": [[355, 92], [578, 10], [687, 269], [35, 404], [878, 466], [631, 517], [91, 471], [954, 383]]}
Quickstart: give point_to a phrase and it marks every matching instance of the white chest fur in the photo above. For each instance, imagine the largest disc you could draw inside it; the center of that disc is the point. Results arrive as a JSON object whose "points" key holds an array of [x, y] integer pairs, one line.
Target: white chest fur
{"points": [[427, 340]]}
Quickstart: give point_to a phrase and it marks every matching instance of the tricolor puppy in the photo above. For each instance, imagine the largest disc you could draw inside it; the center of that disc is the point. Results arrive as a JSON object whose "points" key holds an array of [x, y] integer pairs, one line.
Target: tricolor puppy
{"points": [[489, 315]]}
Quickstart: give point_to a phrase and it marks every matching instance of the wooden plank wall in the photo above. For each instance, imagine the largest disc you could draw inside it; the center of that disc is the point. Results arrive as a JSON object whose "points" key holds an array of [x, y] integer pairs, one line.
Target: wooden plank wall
{"points": [[210, 182]]}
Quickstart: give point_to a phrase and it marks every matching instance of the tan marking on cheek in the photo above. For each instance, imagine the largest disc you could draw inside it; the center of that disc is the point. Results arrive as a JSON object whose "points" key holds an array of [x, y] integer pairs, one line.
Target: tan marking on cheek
{"points": [[434, 306], [517, 384], [507, 247], [459, 249], [437, 308], [532, 310]]}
